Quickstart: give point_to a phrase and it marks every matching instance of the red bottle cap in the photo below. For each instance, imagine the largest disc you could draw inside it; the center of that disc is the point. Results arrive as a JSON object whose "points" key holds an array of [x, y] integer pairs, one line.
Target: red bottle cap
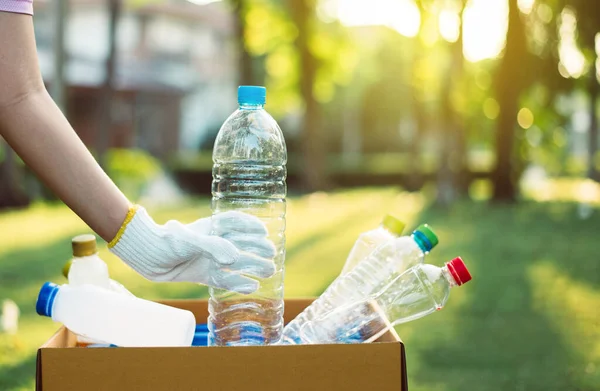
{"points": [[459, 271]]}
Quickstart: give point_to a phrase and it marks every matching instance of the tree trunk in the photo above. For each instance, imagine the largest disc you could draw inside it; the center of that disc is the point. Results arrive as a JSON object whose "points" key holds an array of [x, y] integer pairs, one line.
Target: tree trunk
{"points": [[57, 87], [593, 131], [453, 149], [314, 170], [420, 120], [11, 193], [103, 138], [509, 82], [246, 71]]}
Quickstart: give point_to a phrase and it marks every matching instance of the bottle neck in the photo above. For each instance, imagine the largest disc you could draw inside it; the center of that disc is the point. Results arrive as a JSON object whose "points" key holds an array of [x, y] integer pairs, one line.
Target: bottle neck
{"points": [[94, 255], [449, 277], [421, 241], [249, 106]]}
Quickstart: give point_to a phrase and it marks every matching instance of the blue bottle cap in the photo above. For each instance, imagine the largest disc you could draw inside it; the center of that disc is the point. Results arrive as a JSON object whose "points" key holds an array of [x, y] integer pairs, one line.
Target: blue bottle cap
{"points": [[202, 327], [200, 339], [425, 237], [252, 95], [45, 300]]}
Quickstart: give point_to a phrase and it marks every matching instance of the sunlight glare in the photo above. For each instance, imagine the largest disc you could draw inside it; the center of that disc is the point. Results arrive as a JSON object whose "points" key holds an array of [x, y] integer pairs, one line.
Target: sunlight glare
{"points": [[526, 6], [485, 26], [571, 58], [449, 24], [400, 15], [203, 2]]}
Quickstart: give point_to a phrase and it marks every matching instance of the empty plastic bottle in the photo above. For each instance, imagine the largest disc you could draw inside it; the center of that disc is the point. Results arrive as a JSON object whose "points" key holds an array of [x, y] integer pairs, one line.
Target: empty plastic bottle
{"points": [[420, 291], [112, 318], [89, 267], [367, 242], [367, 278], [249, 175], [86, 267]]}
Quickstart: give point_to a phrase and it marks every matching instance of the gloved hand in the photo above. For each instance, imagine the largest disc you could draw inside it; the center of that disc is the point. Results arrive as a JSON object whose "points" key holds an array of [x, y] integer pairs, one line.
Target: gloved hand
{"points": [[179, 252]]}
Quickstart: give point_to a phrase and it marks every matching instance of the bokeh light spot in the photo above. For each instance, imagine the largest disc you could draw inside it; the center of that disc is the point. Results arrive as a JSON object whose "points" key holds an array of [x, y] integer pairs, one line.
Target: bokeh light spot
{"points": [[525, 118]]}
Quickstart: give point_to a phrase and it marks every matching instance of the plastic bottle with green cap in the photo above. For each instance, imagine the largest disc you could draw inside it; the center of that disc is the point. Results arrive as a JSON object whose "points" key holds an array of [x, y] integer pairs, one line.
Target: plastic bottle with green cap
{"points": [[367, 242], [371, 275]]}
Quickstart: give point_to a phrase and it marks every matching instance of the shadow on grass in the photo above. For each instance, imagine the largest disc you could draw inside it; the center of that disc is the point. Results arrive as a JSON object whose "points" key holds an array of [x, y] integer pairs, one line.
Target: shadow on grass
{"points": [[494, 337]]}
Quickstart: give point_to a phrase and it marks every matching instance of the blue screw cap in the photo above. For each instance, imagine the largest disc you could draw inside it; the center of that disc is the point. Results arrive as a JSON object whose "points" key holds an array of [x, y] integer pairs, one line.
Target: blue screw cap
{"points": [[425, 237], [252, 95], [45, 300]]}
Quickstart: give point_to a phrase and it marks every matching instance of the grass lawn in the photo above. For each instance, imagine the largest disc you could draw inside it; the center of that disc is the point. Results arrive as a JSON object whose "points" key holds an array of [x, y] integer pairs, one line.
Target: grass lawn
{"points": [[529, 320]]}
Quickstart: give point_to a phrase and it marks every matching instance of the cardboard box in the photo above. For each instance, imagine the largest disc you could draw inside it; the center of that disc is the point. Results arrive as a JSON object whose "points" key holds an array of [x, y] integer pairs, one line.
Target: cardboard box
{"points": [[379, 366]]}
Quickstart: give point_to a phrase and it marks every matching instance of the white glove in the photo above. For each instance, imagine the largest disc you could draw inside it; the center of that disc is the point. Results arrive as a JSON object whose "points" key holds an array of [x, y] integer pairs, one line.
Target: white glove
{"points": [[178, 252]]}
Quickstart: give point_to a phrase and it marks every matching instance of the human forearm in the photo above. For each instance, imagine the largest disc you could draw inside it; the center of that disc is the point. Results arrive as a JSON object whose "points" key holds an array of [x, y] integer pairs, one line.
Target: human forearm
{"points": [[36, 129]]}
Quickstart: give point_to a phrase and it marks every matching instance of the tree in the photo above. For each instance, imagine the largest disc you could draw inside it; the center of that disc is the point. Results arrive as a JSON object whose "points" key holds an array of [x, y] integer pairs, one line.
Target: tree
{"points": [[246, 69], [105, 113], [11, 193], [588, 24], [314, 174], [451, 175], [511, 79]]}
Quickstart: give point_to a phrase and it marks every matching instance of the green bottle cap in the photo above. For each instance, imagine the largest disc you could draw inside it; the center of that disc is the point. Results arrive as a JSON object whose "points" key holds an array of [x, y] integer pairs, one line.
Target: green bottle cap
{"points": [[393, 225], [426, 231]]}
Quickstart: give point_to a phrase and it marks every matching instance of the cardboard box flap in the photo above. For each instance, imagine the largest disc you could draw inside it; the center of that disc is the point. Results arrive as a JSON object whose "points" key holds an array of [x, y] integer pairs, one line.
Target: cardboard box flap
{"points": [[266, 368], [63, 338]]}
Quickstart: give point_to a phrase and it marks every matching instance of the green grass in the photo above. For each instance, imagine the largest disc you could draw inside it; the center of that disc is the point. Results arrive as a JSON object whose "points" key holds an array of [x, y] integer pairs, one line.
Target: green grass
{"points": [[529, 320]]}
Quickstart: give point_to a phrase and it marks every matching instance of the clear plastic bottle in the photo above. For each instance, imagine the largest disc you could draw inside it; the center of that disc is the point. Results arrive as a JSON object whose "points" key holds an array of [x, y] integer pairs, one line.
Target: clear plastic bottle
{"points": [[420, 291], [86, 267], [127, 321], [367, 278], [367, 242], [249, 175]]}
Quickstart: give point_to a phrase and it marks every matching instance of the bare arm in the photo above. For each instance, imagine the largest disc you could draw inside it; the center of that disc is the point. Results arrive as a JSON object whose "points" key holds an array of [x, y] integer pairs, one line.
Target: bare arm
{"points": [[36, 129]]}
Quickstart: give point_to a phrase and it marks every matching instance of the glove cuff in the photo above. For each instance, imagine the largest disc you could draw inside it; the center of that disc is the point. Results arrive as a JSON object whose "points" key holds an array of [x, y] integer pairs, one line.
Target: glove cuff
{"points": [[140, 243], [130, 214]]}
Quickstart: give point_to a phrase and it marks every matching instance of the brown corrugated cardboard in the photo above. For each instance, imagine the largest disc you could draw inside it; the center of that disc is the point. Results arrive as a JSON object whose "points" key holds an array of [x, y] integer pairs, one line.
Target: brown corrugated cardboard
{"points": [[379, 366]]}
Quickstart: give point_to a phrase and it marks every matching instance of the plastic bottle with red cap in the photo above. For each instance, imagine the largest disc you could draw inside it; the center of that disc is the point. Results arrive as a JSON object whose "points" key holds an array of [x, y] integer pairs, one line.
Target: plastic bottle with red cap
{"points": [[420, 291], [370, 276]]}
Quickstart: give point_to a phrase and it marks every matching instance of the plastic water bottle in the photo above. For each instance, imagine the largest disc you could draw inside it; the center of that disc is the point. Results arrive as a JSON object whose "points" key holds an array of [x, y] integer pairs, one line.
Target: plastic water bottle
{"points": [[367, 278], [249, 175], [367, 242], [87, 267], [420, 291], [112, 318]]}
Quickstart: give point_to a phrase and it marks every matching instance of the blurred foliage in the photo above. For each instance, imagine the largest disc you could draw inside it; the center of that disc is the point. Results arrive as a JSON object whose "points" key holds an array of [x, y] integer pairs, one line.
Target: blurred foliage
{"points": [[131, 170], [391, 86]]}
